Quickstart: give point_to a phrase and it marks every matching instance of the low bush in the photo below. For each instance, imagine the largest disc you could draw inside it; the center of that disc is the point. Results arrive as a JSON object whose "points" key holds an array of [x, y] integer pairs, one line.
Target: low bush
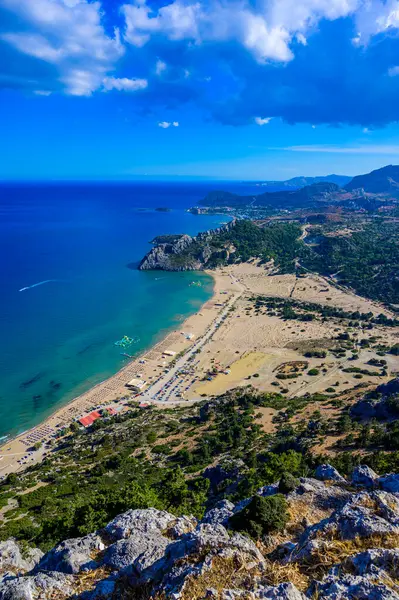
{"points": [[261, 516], [288, 483]]}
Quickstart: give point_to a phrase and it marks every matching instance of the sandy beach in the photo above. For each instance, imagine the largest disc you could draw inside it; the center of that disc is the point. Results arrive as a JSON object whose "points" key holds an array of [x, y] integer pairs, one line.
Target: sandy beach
{"points": [[16, 453], [226, 344]]}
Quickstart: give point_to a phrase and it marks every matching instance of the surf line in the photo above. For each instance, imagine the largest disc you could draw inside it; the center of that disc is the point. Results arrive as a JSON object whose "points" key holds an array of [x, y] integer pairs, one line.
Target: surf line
{"points": [[28, 287]]}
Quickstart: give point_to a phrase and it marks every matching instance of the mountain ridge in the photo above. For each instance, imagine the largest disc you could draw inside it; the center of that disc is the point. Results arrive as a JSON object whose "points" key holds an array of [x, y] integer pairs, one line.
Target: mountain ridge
{"points": [[308, 195], [379, 181], [302, 181], [307, 192]]}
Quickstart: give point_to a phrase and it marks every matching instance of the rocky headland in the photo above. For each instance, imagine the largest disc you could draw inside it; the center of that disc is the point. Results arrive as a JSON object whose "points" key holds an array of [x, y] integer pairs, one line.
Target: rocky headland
{"points": [[186, 253]]}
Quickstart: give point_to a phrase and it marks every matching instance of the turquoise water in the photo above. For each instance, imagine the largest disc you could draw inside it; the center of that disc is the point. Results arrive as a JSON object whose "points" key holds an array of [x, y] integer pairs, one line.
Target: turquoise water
{"points": [[70, 246]]}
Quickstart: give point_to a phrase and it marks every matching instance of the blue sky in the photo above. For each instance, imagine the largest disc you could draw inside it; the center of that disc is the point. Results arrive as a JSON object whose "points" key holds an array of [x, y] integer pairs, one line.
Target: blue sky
{"points": [[256, 89]]}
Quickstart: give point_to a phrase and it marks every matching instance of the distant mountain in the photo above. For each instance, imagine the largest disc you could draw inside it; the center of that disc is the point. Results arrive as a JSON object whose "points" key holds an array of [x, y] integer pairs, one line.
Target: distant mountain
{"points": [[298, 182], [380, 181], [304, 197]]}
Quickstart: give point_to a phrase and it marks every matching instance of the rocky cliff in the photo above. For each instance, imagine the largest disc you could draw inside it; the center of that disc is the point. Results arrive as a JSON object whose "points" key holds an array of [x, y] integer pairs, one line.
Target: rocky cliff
{"points": [[340, 541], [185, 253]]}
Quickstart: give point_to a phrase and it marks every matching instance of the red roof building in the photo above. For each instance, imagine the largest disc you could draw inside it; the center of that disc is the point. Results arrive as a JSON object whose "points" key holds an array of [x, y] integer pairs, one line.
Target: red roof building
{"points": [[90, 418]]}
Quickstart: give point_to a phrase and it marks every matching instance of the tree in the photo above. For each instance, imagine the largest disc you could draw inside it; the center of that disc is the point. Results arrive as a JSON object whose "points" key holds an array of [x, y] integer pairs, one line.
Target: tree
{"points": [[262, 516], [288, 483], [151, 436], [344, 423]]}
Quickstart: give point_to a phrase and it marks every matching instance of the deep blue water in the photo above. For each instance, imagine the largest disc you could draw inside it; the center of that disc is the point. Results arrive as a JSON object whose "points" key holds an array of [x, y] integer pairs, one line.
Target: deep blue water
{"points": [[57, 338]]}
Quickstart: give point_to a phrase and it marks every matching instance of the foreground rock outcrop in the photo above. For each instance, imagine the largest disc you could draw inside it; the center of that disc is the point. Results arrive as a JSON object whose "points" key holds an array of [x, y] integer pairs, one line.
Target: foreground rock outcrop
{"points": [[341, 542]]}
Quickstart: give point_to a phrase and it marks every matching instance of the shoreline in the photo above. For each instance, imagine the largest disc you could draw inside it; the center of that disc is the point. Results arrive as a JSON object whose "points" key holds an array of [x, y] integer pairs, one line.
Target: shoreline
{"points": [[228, 343], [112, 391]]}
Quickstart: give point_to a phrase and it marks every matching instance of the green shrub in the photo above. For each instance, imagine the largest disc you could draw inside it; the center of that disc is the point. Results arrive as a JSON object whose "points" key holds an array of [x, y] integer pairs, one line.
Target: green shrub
{"points": [[316, 354], [151, 436], [162, 449], [288, 483], [261, 516], [313, 372]]}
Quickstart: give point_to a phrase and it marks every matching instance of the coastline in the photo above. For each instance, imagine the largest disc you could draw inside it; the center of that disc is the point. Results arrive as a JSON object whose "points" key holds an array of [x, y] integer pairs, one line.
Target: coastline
{"points": [[112, 391], [228, 343]]}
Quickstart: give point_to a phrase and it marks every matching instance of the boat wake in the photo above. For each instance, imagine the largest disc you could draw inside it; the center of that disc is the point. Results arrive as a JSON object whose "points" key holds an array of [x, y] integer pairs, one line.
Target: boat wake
{"points": [[29, 287]]}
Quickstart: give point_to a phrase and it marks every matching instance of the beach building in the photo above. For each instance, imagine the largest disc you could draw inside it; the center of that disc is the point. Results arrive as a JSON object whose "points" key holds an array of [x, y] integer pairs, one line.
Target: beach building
{"points": [[136, 385], [90, 418], [169, 353]]}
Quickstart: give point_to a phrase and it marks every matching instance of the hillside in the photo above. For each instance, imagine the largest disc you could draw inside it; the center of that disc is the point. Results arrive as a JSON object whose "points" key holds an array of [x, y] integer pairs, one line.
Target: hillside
{"points": [[307, 196], [367, 260], [301, 181], [339, 180], [308, 192], [310, 536], [236, 241], [201, 502], [380, 181]]}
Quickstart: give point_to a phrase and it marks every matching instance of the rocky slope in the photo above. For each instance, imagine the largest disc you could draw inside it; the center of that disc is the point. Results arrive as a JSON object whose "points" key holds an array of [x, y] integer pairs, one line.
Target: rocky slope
{"points": [[184, 253], [341, 541]]}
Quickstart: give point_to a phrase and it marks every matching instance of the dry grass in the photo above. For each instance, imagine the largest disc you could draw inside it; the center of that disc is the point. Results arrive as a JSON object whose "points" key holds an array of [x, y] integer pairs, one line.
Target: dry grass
{"points": [[236, 573], [276, 573], [225, 573], [87, 580], [304, 509], [334, 551]]}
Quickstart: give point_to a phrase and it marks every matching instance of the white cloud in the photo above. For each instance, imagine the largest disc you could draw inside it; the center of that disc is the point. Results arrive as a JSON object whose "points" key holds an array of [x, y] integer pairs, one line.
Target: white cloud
{"points": [[176, 20], [42, 93], [68, 34], [300, 38], [265, 28], [260, 121], [374, 17], [34, 45], [124, 84], [366, 130], [160, 67], [167, 124]]}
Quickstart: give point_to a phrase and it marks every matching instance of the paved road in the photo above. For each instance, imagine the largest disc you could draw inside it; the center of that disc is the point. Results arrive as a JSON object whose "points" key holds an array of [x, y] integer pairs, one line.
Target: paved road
{"points": [[157, 386]]}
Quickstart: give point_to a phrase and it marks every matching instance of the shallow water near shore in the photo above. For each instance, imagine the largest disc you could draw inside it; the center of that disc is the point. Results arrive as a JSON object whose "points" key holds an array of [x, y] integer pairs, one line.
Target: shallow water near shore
{"points": [[68, 295]]}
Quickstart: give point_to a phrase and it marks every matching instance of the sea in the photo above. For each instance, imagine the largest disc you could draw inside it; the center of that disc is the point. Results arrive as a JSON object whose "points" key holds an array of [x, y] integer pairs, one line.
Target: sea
{"points": [[70, 289]]}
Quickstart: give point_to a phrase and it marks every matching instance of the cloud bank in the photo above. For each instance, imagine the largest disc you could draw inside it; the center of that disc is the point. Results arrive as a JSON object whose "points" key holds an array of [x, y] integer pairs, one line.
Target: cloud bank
{"points": [[315, 61]]}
